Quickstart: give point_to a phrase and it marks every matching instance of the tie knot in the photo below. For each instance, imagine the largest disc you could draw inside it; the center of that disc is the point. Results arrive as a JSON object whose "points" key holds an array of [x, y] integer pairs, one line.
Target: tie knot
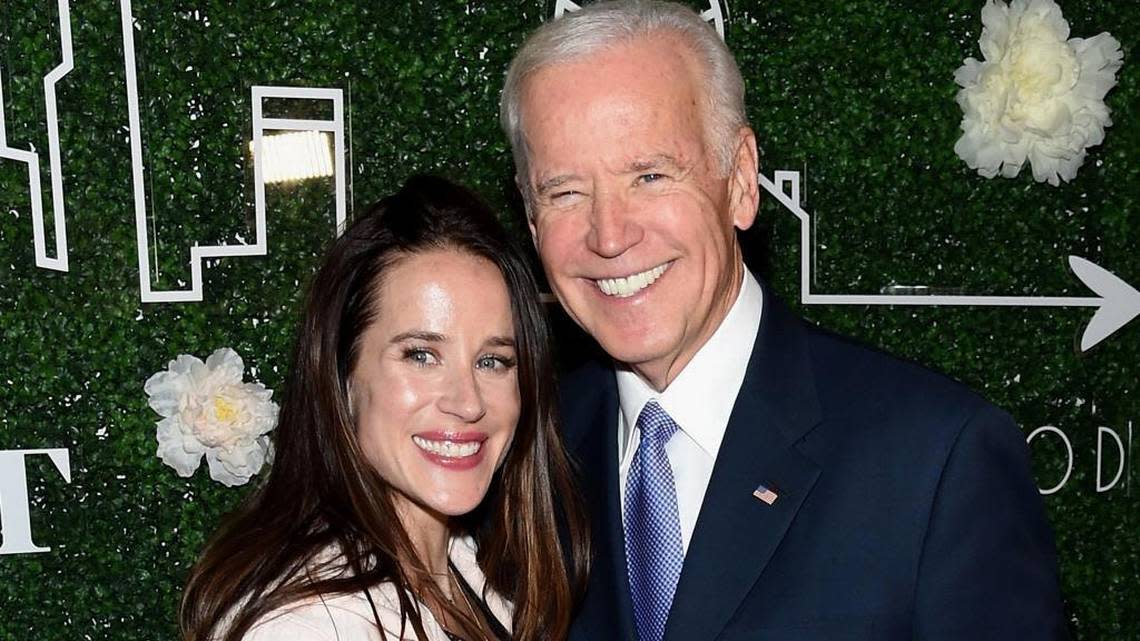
{"points": [[655, 424]]}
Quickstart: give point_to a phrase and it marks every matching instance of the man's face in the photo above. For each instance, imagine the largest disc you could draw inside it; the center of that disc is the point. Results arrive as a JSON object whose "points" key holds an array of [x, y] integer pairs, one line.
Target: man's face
{"points": [[632, 217]]}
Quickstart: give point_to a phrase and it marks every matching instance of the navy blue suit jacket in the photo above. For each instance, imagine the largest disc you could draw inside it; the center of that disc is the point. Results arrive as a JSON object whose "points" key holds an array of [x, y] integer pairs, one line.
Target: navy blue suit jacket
{"points": [[906, 506]]}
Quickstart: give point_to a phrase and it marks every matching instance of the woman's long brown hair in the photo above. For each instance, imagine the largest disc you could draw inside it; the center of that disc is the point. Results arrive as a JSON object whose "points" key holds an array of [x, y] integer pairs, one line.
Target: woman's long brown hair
{"points": [[321, 495]]}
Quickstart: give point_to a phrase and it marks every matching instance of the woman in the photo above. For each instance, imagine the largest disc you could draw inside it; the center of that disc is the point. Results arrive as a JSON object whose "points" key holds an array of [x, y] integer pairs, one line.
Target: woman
{"points": [[418, 476]]}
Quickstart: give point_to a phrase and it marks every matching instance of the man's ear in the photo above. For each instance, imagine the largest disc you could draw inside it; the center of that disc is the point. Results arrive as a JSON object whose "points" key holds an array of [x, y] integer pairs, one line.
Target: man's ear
{"points": [[743, 188], [528, 208]]}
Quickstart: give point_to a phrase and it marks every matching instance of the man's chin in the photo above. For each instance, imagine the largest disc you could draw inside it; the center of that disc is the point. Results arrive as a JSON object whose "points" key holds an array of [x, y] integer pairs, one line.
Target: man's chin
{"points": [[637, 357], [628, 336]]}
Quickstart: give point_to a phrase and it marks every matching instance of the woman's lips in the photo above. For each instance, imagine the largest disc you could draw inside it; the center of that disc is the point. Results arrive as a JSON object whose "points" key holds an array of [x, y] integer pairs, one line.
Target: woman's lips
{"points": [[453, 451]]}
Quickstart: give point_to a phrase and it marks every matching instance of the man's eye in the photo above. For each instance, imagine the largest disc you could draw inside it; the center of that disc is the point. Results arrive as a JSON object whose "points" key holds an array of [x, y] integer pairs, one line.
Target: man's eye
{"points": [[650, 178], [563, 196]]}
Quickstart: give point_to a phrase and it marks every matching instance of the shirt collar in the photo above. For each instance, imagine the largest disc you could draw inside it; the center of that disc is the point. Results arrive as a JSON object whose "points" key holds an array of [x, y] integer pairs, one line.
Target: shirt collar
{"points": [[701, 398]]}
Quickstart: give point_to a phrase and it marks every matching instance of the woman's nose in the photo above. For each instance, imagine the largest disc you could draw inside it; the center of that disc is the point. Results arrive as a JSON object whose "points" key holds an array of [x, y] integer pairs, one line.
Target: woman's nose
{"points": [[462, 398]]}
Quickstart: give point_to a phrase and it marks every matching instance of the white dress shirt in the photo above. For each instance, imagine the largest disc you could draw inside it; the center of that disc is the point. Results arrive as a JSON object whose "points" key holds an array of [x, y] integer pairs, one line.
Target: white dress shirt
{"points": [[700, 400]]}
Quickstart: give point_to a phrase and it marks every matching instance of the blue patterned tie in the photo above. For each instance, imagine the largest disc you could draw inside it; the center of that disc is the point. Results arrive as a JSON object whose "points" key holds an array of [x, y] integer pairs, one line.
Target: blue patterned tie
{"points": [[652, 530]]}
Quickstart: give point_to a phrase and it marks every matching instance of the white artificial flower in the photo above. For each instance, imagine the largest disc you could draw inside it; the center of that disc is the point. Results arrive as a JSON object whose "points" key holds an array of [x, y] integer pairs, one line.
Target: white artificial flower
{"points": [[208, 411], [1038, 95]]}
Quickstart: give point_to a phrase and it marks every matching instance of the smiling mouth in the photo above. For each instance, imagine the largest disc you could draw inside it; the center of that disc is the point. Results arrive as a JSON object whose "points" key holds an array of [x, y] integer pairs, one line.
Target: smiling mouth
{"points": [[449, 449], [627, 286]]}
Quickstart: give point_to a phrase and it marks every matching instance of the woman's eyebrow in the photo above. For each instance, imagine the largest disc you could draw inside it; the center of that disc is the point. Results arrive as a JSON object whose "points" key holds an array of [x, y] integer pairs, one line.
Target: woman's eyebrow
{"points": [[418, 335], [501, 341]]}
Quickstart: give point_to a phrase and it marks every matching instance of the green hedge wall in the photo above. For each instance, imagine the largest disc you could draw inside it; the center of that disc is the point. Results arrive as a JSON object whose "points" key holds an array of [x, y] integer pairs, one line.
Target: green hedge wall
{"points": [[857, 94]]}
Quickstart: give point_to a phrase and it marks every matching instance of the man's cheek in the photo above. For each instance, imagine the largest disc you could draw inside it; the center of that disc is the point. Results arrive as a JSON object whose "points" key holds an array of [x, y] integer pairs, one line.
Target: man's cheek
{"points": [[555, 245]]}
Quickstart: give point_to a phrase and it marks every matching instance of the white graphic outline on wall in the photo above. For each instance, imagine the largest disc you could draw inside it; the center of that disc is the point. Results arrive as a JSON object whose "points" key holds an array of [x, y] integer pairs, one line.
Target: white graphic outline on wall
{"points": [[32, 159], [713, 14], [198, 253], [1117, 303]]}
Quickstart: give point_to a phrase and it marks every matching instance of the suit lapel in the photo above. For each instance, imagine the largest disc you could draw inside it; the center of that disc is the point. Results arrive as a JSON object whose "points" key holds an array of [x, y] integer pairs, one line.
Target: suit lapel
{"points": [[736, 533], [607, 608]]}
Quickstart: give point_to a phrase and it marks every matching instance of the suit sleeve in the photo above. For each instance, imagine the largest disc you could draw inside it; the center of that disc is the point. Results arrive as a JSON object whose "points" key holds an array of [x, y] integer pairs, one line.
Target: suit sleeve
{"points": [[988, 569]]}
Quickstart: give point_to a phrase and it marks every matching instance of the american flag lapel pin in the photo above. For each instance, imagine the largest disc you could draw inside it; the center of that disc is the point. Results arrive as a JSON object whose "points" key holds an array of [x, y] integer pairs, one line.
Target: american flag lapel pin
{"points": [[766, 494]]}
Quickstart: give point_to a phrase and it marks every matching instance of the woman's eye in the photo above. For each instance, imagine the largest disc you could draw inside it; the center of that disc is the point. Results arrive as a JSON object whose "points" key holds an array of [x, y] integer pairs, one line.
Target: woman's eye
{"points": [[494, 363], [421, 357]]}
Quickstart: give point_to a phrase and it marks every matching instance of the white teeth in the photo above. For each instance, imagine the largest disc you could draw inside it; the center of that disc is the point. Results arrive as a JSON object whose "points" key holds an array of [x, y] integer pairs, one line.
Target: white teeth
{"points": [[629, 285], [449, 449]]}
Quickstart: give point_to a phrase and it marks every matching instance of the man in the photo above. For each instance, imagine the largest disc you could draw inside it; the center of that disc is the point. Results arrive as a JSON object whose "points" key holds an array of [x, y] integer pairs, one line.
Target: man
{"points": [[751, 476]]}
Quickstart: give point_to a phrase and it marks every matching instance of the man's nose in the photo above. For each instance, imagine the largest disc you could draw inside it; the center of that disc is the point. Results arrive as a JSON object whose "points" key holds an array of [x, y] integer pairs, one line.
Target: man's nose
{"points": [[462, 397], [613, 228]]}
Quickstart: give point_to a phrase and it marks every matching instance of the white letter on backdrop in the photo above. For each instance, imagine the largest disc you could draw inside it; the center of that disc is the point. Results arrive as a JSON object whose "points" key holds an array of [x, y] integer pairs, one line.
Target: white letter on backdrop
{"points": [[15, 519], [1068, 450], [1100, 432]]}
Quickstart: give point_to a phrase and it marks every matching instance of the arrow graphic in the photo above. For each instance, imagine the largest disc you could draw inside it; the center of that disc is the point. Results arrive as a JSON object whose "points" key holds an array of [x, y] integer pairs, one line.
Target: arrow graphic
{"points": [[562, 6], [714, 14], [1117, 302]]}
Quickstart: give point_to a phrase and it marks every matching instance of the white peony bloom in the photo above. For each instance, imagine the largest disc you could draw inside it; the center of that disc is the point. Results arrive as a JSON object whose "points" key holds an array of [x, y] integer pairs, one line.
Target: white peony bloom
{"points": [[1038, 95], [207, 410]]}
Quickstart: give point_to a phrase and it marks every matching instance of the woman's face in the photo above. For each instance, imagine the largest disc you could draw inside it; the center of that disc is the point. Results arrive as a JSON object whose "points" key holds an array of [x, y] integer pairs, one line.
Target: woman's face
{"points": [[435, 389]]}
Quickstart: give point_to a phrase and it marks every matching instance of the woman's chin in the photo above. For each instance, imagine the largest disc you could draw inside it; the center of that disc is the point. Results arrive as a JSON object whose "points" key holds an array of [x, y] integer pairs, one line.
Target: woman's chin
{"points": [[457, 503]]}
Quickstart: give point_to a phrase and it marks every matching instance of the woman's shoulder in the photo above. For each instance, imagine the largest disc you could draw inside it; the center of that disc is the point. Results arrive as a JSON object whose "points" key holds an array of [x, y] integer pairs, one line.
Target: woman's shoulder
{"points": [[349, 617], [325, 619], [342, 617], [464, 556]]}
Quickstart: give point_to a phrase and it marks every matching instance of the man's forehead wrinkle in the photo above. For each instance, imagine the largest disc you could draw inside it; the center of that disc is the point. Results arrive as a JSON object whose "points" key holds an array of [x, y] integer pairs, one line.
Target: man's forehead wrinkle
{"points": [[651, 114]]}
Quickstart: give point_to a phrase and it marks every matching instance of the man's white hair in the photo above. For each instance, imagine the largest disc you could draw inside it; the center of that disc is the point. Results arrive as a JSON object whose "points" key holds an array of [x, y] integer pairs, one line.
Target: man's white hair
{"points": [[603, 25]]}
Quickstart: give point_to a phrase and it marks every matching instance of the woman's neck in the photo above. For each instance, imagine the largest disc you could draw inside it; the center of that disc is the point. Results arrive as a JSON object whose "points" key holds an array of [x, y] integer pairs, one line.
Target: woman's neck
{"points": [[430, 534]]}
